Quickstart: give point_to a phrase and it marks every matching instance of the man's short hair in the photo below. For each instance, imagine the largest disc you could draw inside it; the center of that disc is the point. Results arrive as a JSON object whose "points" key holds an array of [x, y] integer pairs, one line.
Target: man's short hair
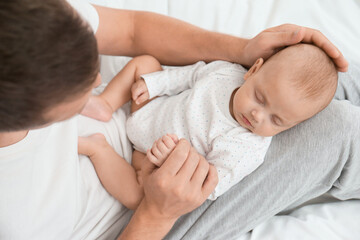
{"points": [[48, 55]]}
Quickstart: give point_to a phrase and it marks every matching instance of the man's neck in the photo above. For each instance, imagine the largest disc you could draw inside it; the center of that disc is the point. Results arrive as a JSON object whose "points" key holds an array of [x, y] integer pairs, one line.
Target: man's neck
{"points": [[9, 138]]}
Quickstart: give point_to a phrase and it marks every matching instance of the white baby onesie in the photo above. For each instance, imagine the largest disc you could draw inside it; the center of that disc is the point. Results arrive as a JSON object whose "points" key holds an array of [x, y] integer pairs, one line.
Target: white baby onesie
{"points": [[193, 103]]}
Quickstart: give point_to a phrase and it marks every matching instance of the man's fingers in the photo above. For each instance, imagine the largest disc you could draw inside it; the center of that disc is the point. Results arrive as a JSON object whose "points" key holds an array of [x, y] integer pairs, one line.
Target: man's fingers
{"points": [[201, 171], [316, 37], [289, 34], [274, 39], [147, 167], [177, 158], [188, 169], [344, 68], [210, 182], [341, 63], [281, 39], [283, 28]]}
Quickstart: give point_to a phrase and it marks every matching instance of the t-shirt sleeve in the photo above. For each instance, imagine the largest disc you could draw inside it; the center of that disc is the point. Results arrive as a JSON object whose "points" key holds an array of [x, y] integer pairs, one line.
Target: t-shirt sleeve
{"points": [[87, 12]]}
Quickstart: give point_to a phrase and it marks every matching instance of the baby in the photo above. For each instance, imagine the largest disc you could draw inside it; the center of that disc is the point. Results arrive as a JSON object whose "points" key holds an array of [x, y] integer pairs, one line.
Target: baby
{"points": [[227, 113]]}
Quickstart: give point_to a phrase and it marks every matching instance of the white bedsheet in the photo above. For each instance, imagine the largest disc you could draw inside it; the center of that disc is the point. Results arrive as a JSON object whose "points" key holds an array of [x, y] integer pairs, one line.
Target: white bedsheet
{"points": [[338, 20]]}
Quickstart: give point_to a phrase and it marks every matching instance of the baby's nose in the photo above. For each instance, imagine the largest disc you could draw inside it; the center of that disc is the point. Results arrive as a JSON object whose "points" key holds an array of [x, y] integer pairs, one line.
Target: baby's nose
{"points": [[257, 115]]}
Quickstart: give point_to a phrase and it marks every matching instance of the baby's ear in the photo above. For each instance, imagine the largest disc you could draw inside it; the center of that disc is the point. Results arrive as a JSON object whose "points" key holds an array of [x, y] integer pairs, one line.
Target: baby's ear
{"points": [[254, 68]]}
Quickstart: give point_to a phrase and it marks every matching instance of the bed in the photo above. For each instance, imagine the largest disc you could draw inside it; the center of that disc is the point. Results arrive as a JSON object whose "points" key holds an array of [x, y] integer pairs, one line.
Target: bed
{"points": [[322, 218]]}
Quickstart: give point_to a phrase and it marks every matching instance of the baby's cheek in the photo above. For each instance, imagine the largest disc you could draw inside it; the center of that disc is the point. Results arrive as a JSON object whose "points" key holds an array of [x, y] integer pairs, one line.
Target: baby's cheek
{"points": [[267, 131]]}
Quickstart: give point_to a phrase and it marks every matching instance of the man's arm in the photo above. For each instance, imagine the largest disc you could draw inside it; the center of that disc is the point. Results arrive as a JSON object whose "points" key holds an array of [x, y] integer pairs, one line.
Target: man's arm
{"points": [[143, 225], [174, 42], [180, 185], [171, 41]]}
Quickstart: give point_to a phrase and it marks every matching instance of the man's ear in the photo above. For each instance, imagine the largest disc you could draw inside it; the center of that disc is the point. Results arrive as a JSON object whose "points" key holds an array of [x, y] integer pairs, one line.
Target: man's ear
{"points": [[254, 68]]}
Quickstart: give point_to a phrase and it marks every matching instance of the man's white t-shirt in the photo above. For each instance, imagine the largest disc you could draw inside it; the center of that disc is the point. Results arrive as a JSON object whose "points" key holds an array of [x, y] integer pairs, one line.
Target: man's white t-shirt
{"points": [[48, 191]]}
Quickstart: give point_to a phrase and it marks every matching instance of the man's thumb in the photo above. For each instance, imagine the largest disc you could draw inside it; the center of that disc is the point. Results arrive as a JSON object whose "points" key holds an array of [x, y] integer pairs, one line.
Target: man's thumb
{"points": [[148, 167]]}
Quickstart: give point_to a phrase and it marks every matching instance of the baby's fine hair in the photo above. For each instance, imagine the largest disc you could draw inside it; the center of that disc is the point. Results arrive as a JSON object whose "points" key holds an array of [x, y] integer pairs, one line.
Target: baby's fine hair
{"points": [[313, 72]]}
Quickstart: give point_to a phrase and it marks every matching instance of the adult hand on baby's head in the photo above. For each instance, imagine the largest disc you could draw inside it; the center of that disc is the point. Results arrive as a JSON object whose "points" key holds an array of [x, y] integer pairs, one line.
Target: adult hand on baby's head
{"points": [[181, 184], [271, 40]]}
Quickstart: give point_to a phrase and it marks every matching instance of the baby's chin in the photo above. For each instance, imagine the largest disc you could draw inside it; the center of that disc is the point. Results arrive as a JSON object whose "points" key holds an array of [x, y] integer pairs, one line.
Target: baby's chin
{"points": [[245, 126], [266, 134], [255, 131], [260, 133]]}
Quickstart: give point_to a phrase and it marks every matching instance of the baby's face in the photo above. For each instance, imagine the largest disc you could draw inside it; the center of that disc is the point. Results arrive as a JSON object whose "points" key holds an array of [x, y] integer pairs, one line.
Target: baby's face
{"points": [[266, 104]]}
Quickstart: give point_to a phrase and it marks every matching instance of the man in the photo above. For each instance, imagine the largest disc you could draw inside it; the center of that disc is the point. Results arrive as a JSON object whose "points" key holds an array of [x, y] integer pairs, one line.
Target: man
{"points": [[48, 66]]}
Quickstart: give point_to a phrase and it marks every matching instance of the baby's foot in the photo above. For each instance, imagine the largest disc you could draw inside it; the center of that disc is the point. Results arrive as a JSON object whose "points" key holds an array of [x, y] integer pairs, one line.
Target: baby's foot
{"points": [[89, 145], [162, 149], [98, 109]]}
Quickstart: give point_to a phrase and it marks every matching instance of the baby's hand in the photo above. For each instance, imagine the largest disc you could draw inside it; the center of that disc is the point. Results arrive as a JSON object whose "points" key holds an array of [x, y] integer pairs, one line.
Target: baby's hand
{"points": [[161, 149], [139, 91]]}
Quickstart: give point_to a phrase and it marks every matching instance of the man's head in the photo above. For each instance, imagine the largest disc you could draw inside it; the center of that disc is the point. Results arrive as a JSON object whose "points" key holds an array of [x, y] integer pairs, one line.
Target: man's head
{"points": [[292, 86], [48, 57]]}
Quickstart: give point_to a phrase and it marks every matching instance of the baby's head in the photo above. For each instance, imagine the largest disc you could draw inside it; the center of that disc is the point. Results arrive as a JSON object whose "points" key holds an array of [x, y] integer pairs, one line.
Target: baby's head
{"points": [[290, 87]]}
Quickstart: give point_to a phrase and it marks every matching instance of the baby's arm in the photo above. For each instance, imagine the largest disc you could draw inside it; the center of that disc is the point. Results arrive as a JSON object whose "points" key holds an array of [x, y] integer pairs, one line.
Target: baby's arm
{"points": [[169, 82], [117, 176], [117, 92], [172, 81]]}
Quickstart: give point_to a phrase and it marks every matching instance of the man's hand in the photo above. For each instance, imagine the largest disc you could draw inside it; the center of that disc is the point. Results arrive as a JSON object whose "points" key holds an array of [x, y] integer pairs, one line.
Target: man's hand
{"points": [[272, 40], [139, 91], [181, 184], [161, 149]]}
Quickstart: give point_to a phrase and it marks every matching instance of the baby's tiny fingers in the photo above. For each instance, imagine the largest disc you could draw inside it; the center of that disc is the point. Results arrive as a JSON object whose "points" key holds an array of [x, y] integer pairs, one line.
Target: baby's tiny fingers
{"points": [[141, 85], [169, 142], [134, 93], [136, 90], [162, 147], [152, 158], [142, 98], [174, 137], [155, 151]]}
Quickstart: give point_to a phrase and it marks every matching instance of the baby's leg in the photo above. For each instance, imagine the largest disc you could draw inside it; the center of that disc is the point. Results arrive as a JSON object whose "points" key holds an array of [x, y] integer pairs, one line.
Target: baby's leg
{"points": [[116, 175], [161, 149], [137, 162], [118, 91]]}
